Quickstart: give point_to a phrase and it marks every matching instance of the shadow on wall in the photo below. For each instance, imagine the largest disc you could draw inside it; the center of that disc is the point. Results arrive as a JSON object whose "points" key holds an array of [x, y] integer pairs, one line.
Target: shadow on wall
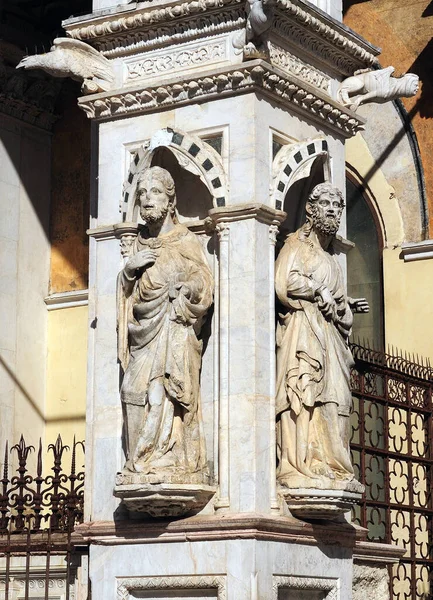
{"points": [[70, 192], [30, 399], [52, 175], [423, 67]]}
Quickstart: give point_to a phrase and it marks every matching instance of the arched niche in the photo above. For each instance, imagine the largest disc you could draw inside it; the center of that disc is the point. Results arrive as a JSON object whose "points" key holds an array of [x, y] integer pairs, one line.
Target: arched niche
{"points": [[296, 169], [201, 182], [294, 162]]}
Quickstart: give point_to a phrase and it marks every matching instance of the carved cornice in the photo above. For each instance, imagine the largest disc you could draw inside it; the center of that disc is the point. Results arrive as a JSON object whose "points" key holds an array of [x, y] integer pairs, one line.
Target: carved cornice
{"points": [[373, 552], [417, 250], [327, 39], [254, 76], [149, 27], [67, 299], [27, 97], [205, 528]]}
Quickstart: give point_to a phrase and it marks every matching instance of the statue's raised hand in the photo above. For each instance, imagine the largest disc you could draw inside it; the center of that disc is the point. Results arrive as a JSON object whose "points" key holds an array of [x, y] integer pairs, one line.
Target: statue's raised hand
{"points": [[358, 305], [140, 260]]}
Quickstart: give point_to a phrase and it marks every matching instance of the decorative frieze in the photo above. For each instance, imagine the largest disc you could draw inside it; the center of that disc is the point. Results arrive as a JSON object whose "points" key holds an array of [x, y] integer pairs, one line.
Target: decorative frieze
{"points": [[128, 585], [150, 27], [312, 584], [175, 59], [253, 76], [29, 98], [325, 38], [285, 60]]}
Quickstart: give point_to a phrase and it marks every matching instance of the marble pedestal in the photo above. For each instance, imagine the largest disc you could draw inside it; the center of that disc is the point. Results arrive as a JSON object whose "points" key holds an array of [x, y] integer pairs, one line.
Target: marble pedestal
{"points": [[242, 557]]}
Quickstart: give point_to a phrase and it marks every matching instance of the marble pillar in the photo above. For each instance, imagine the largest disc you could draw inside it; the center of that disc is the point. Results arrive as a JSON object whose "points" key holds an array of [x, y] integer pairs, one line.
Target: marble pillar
{"points": [[246, 128]]}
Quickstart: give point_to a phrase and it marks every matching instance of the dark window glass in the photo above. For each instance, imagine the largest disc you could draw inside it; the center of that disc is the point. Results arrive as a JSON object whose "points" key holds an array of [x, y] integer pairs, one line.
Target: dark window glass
{"points": [[364, 266]]}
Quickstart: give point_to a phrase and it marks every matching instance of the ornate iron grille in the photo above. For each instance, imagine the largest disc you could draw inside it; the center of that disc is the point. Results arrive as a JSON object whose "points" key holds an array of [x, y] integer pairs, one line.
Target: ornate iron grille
{"points": [[38, 514], [392, 448]]}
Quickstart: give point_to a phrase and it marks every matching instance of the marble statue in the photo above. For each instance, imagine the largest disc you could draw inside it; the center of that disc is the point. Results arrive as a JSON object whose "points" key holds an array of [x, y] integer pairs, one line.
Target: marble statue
{"points": [[376, 86], [74, 59], [164, 292], [313, 398]]}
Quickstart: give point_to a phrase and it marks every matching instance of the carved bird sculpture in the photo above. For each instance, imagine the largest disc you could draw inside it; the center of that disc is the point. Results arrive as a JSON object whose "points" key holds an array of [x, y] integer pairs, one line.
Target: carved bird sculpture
{"points": [[74, 59]]}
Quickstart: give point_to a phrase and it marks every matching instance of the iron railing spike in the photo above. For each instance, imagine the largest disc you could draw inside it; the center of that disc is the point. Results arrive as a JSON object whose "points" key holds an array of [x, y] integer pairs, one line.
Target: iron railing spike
{"points": [[5, 466]]}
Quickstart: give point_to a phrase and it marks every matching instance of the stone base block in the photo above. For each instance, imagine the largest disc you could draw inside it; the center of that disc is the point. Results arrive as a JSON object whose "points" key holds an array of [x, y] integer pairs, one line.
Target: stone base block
{"points": [[319, 504], [164, 499], [222, 559]]}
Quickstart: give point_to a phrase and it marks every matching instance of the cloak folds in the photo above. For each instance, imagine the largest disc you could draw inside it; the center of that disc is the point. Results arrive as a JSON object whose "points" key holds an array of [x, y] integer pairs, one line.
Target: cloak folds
{"points": [[313, 358], [158, 326]]}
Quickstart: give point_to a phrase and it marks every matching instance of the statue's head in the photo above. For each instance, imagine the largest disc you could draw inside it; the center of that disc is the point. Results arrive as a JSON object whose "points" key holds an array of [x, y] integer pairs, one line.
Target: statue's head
{"points": [[324, 208], [156, 195]]}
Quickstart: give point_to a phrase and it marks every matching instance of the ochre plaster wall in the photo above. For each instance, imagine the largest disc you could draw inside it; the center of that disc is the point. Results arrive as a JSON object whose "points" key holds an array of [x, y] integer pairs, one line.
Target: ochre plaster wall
{"points": [[403, 30], [407, 287], [70, 197], [66, 374], [408, 308]]}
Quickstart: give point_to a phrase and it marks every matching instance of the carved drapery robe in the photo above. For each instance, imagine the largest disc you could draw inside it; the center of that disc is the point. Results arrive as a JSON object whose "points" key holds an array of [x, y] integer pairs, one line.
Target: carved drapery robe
{"points": [[313, 361], [157, 332]]}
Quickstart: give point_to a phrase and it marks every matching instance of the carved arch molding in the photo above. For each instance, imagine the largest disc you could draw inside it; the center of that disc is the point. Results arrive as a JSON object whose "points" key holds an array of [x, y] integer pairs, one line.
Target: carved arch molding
{"points": [[293, 162], [191, 152]]}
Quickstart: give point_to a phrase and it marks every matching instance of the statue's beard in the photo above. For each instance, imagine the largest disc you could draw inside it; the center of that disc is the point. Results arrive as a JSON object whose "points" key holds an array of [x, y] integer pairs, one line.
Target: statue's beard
{"points": [[154, 215], [326, 225]]}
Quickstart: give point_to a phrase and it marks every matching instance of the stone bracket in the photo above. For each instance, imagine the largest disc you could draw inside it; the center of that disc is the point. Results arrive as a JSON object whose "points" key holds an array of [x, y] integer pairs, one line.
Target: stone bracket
{"points": [[319, 504], [164, 499]]}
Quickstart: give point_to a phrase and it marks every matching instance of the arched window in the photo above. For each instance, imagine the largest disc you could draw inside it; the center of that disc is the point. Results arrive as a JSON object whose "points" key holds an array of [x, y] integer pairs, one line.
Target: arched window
{"points": [[364, 265]]}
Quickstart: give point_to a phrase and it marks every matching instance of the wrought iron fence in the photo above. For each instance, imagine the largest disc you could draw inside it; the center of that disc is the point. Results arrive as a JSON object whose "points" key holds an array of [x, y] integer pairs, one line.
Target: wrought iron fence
{"points": [[392, 435], [38, 514], [392, 448]]}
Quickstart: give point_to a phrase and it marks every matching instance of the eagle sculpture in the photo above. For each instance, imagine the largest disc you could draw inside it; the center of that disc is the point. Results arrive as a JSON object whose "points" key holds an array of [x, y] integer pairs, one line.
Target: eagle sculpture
{"points": [[74, 59]]}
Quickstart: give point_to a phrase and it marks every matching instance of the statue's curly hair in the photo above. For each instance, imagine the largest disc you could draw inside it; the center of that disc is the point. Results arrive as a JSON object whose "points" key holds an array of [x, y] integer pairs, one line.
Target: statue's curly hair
{"points": [[167, 180], [317, 191], [325, 188]]}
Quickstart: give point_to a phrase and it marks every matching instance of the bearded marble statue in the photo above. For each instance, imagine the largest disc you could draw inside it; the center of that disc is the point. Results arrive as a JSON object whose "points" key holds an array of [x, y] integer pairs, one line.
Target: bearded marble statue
{"points": [[313, 400], [164, 292]]}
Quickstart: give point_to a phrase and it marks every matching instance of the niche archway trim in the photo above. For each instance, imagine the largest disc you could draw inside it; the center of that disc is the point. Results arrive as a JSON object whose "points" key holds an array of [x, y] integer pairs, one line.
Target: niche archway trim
{"points": [[294, 162], [192, 154]]}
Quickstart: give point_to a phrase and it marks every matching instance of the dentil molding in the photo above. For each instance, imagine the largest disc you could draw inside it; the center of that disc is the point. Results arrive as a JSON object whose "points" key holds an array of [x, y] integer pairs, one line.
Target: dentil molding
{"points": [[253, 76], [149, 27]]}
